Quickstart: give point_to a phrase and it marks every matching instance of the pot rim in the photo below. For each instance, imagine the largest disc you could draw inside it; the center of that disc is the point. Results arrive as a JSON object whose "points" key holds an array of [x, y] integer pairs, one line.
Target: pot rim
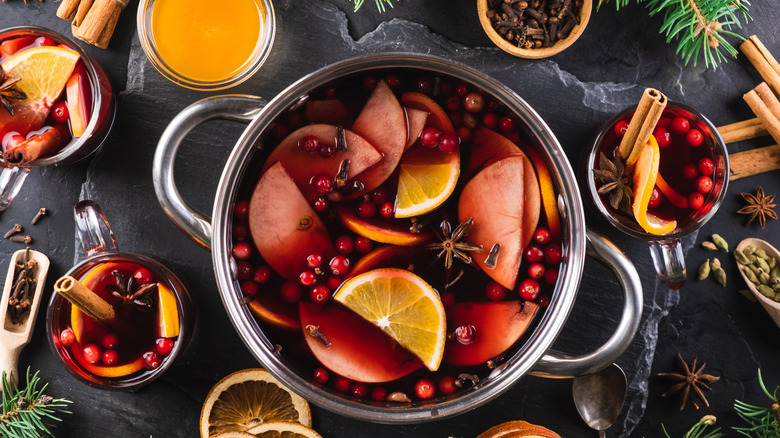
{"points": [[522, 361]]}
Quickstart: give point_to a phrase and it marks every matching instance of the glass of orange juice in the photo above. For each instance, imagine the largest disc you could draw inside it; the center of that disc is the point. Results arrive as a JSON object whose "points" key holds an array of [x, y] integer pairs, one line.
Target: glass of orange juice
{"points": [[205, 44]]}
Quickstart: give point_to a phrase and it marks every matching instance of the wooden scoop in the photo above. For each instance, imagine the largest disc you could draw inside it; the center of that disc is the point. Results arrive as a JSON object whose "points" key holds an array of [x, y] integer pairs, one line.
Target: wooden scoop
{"points": [[772, 307], [13, 336]]}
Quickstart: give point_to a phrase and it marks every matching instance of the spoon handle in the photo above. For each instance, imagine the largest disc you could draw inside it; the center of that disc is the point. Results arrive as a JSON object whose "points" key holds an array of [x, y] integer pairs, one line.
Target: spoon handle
{"points": [[602, 434]]}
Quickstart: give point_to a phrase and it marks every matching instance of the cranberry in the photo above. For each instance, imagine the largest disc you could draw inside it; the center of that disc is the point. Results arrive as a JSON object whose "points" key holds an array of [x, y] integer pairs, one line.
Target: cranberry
{"points": [[242, 250], [447, 385], [445, 87], [326, 150], [342, 384], [392, 80], [706, 166], [309, 143], [334, 282], [621, 127], [469, 121], [695, 200], [321, 375], [494, 291], [536, 271], [704, 184], [662, 136], [359, 390], [464, 133], [465, 334], [425, 389], [143, 276], [344, 245], [363, 244], [424, 84], [449, 142], [314, 260], [690, 171], [279, 131], [655, 198], [262, 274], [92, 353], [110, 357], [387, 210], [379, 393], [514, 137], [59, 112], [534, 254], [553, 254], [67, 338], [307, 278], [529, 289], [453, 103], [294, 119], [241, 210], [694, 138], [13, 140], [164, 346], [366, 209], [250, 288], [490, 120], [319, 293], [447, 298], [430, 137], [320, 204], [370, 82], [379, 196], [330, 93], [240, 231], [461, 90], [244, 270], [666, 122], [542, 236], [339, 265], [152, 360], [507, 124], [474, 102], [290, 291], [492, 106], [110, 340], [551, 276], [544, 301], [323, 184], [680, 125]]}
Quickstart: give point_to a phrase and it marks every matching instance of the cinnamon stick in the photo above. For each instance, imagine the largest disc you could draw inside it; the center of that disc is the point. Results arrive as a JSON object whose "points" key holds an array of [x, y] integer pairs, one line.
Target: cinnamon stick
{"points": [[67, 9], [763, 61], [754, 161], [38, 146], [740, 131], [96, 20], [642, 124], [83, 298], [766, 106]]}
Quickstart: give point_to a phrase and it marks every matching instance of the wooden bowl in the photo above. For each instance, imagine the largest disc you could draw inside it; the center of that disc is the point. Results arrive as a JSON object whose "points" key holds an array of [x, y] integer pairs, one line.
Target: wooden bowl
{"points": [[772, 307], [542, 52]]}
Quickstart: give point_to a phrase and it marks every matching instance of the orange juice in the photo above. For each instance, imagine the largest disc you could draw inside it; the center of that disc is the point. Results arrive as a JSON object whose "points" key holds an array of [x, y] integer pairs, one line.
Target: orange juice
{"points": [[207, 40]]}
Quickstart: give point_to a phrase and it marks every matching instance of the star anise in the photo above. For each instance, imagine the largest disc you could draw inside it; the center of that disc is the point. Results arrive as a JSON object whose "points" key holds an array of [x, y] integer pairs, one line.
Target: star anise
{"points": [[131, 293], [610, 176], [689, 382], [759, 206], [452, 245], [8, 91]]}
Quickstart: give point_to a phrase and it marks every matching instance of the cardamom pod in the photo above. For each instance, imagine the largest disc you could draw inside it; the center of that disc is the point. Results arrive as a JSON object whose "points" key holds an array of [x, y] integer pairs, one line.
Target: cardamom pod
{"points": [[775, 272], [709, 246], [776, 287], [750, 275], [720, 242], [763, 265], [756, 270], [720, 276], [760, 253], [747, 294], [704, 270], [773, 263], [774, 280], [750, 249], [741, 257], [766, 291], [715, 264], [764, 278], [751, 257]]}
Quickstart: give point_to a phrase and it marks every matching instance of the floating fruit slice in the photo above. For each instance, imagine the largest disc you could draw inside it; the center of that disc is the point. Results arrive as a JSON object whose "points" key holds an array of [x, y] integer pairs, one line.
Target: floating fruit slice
{"points": [[380, 230], [436, 115], [79, 322], [547, 192], [106, 371], [512, 429], [404, 306], [327, 111], [427, 177], [487, 147], [383, 124], [645, 175], [415, 121], [167, 313], [247, 398], [671, 194], [498, 326], [283, 429], [504, 201], [269, 307], [284, 227], [356, 349], [302, 166], [388, 256], [79, 96]]}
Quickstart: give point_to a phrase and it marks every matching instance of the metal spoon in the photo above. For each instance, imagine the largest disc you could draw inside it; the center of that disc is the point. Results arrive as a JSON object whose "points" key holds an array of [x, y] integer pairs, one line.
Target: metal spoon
{"points": [[599, 397]]}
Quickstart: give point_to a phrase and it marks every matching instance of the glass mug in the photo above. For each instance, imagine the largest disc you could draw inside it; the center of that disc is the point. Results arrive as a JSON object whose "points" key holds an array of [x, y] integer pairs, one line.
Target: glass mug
{"points": [[152, 330], [677, 170]]}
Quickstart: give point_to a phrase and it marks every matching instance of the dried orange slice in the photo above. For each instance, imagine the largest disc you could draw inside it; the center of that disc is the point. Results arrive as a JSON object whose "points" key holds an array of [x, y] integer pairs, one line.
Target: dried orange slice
{"points": [[283, 429], [427, 177], [645, 175], [512, 429], [404, 306]]}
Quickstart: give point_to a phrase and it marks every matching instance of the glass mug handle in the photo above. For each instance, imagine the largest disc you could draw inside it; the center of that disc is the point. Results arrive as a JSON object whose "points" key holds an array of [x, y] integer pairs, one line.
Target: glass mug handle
{"points": [[669, 262], [93, 228], [11, 180]]}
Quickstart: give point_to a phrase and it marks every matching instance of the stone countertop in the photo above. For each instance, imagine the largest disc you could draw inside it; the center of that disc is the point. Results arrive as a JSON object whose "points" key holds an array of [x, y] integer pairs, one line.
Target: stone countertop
{"points": [[606, 70]]}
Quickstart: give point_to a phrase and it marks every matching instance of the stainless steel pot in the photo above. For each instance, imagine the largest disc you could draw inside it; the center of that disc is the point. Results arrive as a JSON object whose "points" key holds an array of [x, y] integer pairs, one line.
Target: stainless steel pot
{"points": [[534, 357]]}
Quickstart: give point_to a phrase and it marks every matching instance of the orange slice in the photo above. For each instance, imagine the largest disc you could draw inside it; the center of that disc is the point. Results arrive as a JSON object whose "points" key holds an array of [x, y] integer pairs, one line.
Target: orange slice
{"points": [[384, 232], [167, 313], [427, 177], [547, 191], [437, 117], [106, 371], [79, 322], [43, 72], [383, 257], [404, 306], [512, 429], [645, 175], [283, 429]]}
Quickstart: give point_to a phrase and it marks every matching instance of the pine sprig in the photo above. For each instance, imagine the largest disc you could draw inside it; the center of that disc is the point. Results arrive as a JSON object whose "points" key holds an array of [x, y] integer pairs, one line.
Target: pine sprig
{"points": [[27, 411], [763, 422], [380, 4], [698, 429]]}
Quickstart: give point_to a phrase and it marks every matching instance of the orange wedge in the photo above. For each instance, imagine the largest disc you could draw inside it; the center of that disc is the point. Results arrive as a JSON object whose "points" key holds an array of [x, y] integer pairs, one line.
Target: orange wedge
{"points": [[645, 175], [43, 72], [427, 177], [404, 306], [437, 117], [384, 232], [105, 371], [167, 313], [547, 191]]}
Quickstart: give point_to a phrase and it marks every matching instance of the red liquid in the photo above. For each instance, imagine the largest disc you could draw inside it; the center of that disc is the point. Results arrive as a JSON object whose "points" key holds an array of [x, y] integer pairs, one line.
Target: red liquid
{"points": [[275, 300]]}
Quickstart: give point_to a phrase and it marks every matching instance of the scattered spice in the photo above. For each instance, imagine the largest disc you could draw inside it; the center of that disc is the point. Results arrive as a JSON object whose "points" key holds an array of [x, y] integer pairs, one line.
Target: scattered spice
{"points": [[709, 246], [761, 270], [17, 228], [23, 289], [690, 380], [704, 270], [531, 24], [131, 293], [21, 239], [41, 213], [720, 242], [8, 89], [614, 182], [452, 245], [314, 330], [759, 206]]}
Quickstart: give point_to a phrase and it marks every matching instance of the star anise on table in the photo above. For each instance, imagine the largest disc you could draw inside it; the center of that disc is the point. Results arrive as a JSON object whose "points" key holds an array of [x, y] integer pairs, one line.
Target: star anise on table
{"points": [[8, 91], [131, 293], [451, 244], [690, 381], [759, 206], [613, 182]]}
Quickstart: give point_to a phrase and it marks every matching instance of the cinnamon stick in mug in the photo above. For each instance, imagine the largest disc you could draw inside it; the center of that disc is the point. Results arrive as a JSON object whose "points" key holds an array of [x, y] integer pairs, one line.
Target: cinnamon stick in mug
{"points": [[41, 145], [642, 124], [766, 106], [83, 298]]}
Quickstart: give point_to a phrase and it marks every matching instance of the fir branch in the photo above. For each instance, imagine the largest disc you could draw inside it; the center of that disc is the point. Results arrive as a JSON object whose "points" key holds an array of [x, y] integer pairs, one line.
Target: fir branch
{"points": [[380, 4], [698, 429], [27, 411], [763, 422]]}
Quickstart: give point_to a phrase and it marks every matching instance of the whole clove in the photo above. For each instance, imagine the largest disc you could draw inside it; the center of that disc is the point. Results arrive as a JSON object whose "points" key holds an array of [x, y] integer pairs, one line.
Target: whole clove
{"points": [[16, 229], [514, 20], [21, 239], [41, 213], [24, 285]]}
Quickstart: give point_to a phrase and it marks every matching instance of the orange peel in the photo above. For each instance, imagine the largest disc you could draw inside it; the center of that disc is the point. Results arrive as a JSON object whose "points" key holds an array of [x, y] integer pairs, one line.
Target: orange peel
{"points": [[645, 176], [547, 191], [671, 194]]}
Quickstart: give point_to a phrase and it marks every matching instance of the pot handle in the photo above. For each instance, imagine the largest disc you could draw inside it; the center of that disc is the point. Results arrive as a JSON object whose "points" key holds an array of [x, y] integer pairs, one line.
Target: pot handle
{"points": [[235, 107], [555, 364]]}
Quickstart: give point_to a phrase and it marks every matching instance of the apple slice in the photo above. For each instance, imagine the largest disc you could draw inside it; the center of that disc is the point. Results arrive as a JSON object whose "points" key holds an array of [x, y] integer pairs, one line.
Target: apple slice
{"points": [[356, 349], [436, 115], [487, 147], [383, 124], [415, 122], [498, 326], [284, 227], [328, 111], [79, 99], [302, 166], [504, 201]]}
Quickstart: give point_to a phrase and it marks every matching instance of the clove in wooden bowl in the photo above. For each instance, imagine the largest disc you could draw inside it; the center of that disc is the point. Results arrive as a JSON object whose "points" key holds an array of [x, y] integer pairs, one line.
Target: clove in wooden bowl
{"points": [[534, 53], [772, 307]]}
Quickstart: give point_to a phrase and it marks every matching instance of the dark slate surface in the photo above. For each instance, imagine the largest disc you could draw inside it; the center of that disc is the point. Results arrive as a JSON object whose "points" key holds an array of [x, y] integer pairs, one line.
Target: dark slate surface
{"points": [[575, 92]]}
